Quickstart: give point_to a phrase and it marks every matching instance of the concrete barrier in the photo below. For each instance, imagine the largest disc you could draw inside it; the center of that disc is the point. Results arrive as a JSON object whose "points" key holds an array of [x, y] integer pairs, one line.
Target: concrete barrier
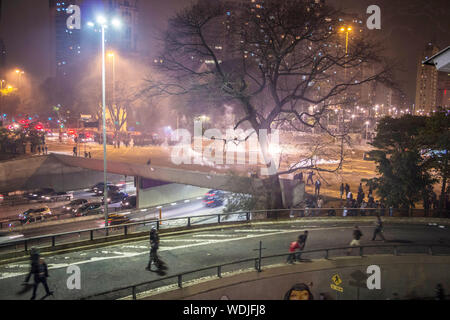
{"points": [[411, 276]]}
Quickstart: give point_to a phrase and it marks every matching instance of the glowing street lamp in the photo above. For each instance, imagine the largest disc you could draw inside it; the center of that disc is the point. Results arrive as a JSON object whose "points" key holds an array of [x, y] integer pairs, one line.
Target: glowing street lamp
{"points": [[347, 30], [102, 21]]}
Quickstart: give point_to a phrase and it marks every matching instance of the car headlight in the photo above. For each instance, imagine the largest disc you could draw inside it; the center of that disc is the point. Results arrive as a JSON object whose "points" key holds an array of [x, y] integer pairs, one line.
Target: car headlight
{"points": [[127, 204]]}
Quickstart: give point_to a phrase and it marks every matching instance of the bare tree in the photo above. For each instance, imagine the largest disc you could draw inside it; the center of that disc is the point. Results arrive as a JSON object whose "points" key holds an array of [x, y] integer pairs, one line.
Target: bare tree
{"points": [[280, 62]]}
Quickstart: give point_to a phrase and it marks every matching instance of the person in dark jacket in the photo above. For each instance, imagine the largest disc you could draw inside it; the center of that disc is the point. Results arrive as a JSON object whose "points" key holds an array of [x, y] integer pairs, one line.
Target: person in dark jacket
{"points": [[342, 189], [34, 257], [378, 229], [154, 246], [357, 234], [40, 272]]}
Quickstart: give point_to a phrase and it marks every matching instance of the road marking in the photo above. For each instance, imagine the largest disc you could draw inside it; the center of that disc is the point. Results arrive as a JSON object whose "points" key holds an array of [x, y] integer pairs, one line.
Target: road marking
{"points": [[134, 254], [213, 235]]}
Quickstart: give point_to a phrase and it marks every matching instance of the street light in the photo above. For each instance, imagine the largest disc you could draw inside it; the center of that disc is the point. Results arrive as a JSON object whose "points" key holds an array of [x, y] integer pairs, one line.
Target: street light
{"points": [[113, 57], [103, 23], [346, 30], [367, 128]]}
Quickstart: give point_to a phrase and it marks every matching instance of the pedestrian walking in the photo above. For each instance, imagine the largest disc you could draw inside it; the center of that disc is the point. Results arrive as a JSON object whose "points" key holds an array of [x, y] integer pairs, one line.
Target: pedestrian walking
{"points": [[302, 242], [310, 178], [89, 154], [46, 150], [378, 229], [342, 189], [317, 187], [74, 151], [86, 154], [34, 257], [300, 245], [39, 150], [154, 246], [149, 162], [357, 234], [40, 272]]}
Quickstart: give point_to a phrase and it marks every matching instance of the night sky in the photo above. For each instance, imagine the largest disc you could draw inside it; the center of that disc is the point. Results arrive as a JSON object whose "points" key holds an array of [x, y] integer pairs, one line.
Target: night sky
{"points": [[407, 26]]}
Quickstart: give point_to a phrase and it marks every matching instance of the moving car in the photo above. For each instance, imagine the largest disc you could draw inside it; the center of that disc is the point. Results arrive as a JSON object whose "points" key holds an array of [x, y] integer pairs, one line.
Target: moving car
{"points": [[214, 198], [117, 219], [39, 194], [73, 205], [9, 236], [57, 196], [33, 215], [99, 186], [88, 209], [111, 189], [129, 203], [116, 197]]}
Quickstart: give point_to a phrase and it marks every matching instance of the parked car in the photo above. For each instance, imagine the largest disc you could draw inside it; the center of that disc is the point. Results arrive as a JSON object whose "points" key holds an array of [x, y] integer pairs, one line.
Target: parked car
{"points": [[88, 209], [129, 203], [111, 189], [33, 215], [214, 198], [73, 205], [115, 197]]}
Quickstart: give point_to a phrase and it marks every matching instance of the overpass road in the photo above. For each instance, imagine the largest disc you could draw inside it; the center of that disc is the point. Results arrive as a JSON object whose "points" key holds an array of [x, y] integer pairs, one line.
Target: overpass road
{"points": [[116, 266]]}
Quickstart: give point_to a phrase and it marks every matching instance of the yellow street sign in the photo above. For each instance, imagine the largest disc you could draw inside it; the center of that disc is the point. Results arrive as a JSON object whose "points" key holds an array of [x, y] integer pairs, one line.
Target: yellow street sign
{"points": [[336, 279], [336, 288]]}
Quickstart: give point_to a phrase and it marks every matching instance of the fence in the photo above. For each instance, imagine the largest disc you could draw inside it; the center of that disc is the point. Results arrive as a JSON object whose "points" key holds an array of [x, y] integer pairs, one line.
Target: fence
{"points": [[218, 270], [137, 228]]}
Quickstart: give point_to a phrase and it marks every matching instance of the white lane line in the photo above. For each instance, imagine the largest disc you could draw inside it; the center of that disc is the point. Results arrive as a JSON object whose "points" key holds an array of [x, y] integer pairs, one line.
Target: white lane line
{"points": [[214, 235], [134, 254], [190, 240], [261, 230]]}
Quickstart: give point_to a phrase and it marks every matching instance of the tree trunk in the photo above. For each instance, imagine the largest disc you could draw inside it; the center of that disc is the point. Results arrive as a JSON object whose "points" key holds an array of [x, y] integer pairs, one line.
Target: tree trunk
{"points": [[274, 198]]}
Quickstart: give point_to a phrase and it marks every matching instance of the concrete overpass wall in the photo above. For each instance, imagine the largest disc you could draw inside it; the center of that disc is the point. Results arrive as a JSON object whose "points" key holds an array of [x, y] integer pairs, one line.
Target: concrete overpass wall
{"points": [[46, 172], [167, 193], [408, 276]]}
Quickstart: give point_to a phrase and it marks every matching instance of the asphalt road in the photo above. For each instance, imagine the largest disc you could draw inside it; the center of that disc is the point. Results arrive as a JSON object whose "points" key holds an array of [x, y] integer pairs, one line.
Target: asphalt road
{"points": [[121, 265]]}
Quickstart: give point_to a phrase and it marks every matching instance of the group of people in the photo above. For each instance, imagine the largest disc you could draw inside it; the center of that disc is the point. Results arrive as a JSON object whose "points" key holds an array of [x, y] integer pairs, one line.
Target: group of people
{"points": [[300, 243], [87, 154], [358, 206], [317, 184], [43, 149]]}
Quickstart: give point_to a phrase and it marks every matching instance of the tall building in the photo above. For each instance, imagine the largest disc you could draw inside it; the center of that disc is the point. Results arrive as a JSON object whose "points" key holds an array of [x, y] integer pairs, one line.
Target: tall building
{"points": [[66, 44], [443, 94], [426, 83], [72, 50]]}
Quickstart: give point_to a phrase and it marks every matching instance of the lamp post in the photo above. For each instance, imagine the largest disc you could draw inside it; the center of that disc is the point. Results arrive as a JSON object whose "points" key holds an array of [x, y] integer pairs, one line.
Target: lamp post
{"points": [[103, 22], [367, 129], [113, 57]]}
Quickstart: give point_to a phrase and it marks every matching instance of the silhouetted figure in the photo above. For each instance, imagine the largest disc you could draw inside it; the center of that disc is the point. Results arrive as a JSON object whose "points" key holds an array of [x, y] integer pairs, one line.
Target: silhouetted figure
{"points": [[154, 246], [310, 178], [378, 230], [74, 151], [40, 272], [342, 189], [317, 187], [149, 162]]}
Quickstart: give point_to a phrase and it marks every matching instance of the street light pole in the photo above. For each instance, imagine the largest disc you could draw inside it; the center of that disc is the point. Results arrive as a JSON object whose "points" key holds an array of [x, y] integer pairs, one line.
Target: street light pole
{"points": [[105, 191]]}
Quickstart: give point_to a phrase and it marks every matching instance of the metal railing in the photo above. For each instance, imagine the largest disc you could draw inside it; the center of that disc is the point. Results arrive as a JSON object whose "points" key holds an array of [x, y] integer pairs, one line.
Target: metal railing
{"points": [[218, 268], [128, 229]]}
